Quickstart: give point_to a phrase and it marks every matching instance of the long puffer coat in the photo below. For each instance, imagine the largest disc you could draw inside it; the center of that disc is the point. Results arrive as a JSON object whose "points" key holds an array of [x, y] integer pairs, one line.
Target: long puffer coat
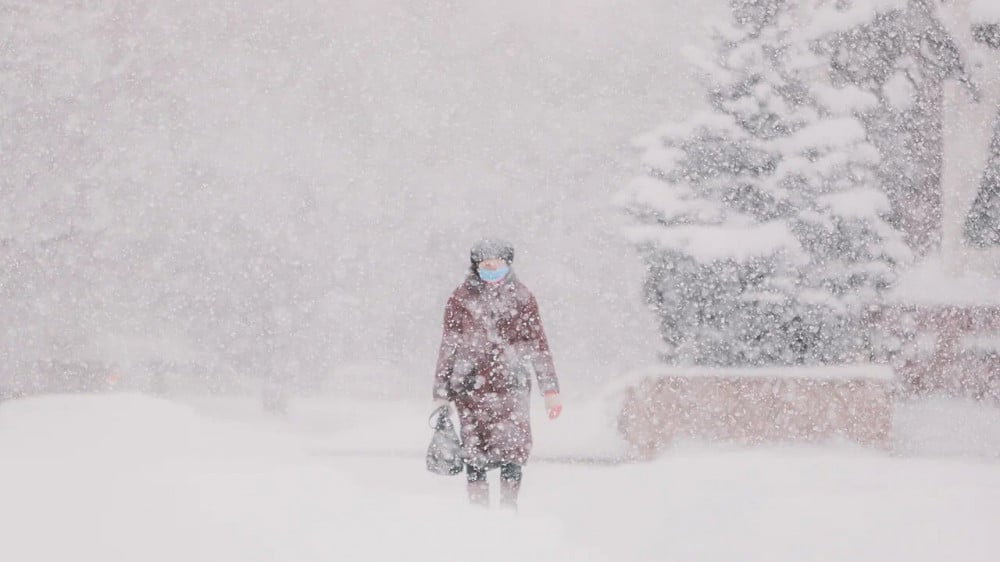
{"points": [[493, 344]]}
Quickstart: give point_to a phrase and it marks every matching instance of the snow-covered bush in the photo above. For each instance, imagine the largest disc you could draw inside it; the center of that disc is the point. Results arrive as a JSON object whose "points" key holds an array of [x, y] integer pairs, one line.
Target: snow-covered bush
{"points": [[762, 221]]}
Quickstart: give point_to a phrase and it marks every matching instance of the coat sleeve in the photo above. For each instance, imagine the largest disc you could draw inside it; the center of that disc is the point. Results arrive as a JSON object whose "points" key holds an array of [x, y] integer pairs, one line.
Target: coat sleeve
{"points": [[450, 341], [541, 357]]}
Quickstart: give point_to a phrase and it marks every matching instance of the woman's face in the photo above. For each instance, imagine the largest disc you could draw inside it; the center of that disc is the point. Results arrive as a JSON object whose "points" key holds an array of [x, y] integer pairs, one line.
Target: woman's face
{"points": [[492, 264]]}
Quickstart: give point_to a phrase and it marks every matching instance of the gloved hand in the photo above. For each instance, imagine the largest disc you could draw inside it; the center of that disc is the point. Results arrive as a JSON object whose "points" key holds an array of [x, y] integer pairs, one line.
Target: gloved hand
{"points": [[553, 405]]}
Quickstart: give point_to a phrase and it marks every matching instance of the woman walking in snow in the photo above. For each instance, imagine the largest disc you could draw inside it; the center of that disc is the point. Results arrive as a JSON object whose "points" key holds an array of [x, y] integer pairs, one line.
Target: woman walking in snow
{"points": [[493, 344]]}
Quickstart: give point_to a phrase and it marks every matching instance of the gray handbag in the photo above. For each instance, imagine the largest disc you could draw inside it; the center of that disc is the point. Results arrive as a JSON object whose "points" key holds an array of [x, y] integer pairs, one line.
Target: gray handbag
{"points": [[444, 454]]}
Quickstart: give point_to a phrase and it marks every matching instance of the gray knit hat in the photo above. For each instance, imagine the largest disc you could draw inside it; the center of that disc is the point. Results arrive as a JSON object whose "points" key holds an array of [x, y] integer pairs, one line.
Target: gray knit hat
{"points": [[489, 248]]}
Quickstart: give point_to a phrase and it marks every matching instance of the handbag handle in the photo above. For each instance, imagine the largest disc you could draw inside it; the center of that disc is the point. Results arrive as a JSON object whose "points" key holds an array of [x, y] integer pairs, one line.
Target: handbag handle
{"points": [[443, 420]]}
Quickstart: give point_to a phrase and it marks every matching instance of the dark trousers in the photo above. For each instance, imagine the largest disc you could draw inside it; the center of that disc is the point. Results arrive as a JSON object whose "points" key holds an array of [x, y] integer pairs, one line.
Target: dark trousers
{"points": [[510, 484], [508, 471]]}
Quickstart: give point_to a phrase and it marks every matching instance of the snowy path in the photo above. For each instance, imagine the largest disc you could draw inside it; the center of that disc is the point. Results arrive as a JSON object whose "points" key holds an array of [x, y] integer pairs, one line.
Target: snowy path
{"points": [[124, 478]]}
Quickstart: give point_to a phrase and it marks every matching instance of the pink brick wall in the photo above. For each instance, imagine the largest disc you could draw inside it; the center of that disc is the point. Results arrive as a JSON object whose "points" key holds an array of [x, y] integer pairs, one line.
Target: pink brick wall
{"points": [[754, 409]]}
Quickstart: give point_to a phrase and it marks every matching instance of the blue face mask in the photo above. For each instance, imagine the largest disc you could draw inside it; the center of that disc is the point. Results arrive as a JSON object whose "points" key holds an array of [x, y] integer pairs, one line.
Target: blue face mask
{"points": [[493, 275]]}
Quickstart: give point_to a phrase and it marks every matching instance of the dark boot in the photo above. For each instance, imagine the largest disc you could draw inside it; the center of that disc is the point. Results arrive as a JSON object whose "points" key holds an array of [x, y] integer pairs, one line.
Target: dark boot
{"points": [[508, 493], [510, 485], [479, 493], [479, 488]]}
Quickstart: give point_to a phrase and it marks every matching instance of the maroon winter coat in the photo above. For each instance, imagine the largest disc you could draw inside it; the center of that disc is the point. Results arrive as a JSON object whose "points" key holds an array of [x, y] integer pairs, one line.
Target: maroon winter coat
{"points": [[493, 344]]}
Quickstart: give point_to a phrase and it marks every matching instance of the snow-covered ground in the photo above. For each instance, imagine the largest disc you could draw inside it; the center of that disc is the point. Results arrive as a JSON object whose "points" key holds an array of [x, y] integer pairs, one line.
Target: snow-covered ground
{"points": [[126, 477]]}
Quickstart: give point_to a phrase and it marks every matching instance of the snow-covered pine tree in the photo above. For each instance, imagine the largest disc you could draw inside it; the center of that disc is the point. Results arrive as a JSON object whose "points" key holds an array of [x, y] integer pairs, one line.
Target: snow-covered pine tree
{"points": [[982, 226], [900, 51], [761, 220]]}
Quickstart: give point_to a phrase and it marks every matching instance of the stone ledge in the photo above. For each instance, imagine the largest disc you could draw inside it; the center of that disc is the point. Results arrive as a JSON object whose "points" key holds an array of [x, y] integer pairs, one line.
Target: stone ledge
{"points": [[752, 409]]}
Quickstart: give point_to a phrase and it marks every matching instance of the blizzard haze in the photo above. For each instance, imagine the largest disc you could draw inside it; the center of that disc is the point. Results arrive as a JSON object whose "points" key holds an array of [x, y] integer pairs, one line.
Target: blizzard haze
{"points": [[315, 173], [249, 215]]}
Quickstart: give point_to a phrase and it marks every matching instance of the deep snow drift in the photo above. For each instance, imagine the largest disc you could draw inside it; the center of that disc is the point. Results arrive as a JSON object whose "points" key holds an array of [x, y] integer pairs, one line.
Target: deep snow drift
{"points": [[128, 477]]}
